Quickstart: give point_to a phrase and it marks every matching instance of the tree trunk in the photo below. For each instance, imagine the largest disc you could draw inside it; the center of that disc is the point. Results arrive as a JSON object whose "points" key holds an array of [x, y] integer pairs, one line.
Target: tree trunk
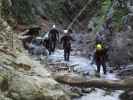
{"points": [[75, 80]]}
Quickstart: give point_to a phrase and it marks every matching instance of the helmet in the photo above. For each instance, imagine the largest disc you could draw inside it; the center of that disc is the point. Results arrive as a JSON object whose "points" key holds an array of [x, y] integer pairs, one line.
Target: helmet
{"points": [[54, 26], [65, 31], [39, 38], [98, 47]]}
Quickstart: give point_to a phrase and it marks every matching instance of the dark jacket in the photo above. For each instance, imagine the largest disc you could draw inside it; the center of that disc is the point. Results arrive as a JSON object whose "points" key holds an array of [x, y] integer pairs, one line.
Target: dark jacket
{"points": [[54, 34], [66, 41], [100, 56]]}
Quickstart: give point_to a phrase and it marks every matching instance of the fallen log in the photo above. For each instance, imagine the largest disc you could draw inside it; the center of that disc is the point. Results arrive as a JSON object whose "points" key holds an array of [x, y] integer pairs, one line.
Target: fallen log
{"points": [[75, 80]]}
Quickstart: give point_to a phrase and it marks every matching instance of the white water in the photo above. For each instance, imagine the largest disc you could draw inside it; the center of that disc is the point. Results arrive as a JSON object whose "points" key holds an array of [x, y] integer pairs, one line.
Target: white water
{"points": [[101, 95], [83, 65]]}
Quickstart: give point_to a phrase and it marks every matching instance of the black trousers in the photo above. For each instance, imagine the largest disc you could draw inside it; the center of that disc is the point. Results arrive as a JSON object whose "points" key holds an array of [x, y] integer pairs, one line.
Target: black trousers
{"points": [[52, 46], [99, 64], [66, 54]]}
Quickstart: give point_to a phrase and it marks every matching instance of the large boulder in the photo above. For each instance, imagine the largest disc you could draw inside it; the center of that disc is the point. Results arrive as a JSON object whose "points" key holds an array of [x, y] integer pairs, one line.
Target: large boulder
{"points": [[26, 79], [35, 83], [25, 87]]}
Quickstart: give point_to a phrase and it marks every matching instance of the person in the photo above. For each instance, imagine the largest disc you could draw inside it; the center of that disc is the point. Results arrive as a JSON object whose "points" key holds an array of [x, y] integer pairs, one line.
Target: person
{"points": [[100, 57], [46, 41], [66, 41], [28, 36], [53, 38]]}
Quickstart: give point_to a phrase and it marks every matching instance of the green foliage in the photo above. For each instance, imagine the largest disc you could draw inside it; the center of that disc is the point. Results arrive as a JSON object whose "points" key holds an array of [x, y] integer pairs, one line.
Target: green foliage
{"points": [[100, 18], [106, 4], [54, 9], [5, 8], [117, 14], [22, 10]]}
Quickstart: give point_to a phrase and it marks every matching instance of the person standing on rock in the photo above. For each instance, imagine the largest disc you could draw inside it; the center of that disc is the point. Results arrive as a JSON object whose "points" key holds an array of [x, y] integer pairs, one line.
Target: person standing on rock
{"points": [[66, 41], [100, 58], [53, 38]]}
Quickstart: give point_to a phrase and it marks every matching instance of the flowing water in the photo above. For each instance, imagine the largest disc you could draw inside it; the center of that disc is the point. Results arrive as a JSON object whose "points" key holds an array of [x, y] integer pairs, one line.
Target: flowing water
{"points": [[83, 66]]}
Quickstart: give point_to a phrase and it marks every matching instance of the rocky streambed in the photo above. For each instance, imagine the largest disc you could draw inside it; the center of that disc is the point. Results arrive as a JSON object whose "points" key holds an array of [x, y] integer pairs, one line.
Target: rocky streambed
{"points": [[82, 67]]}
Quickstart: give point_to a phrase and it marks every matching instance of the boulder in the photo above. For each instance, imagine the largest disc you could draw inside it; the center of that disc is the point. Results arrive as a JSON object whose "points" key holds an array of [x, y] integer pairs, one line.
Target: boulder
{"points": [[24, 87]]}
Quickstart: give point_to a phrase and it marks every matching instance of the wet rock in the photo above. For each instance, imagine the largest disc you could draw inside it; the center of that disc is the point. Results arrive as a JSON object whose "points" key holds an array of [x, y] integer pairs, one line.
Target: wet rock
{"points": [[76, 91], [39, 50], [127, 95], [88, 90]]}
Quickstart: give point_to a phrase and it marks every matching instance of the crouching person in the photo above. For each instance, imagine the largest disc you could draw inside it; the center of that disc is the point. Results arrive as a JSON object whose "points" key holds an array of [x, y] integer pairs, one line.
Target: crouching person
{"points": [[66, 41]]}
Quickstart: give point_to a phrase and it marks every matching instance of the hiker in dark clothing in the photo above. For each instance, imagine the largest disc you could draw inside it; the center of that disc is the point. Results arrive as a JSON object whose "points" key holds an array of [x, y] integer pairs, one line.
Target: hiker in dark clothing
{"points": [[29, 35], [53, 38], [66, 41], [100, 58], [46, 43]]}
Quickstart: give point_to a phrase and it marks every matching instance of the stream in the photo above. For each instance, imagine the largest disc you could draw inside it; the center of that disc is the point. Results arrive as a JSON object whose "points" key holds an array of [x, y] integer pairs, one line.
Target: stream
{"points": [[82, 66]]}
